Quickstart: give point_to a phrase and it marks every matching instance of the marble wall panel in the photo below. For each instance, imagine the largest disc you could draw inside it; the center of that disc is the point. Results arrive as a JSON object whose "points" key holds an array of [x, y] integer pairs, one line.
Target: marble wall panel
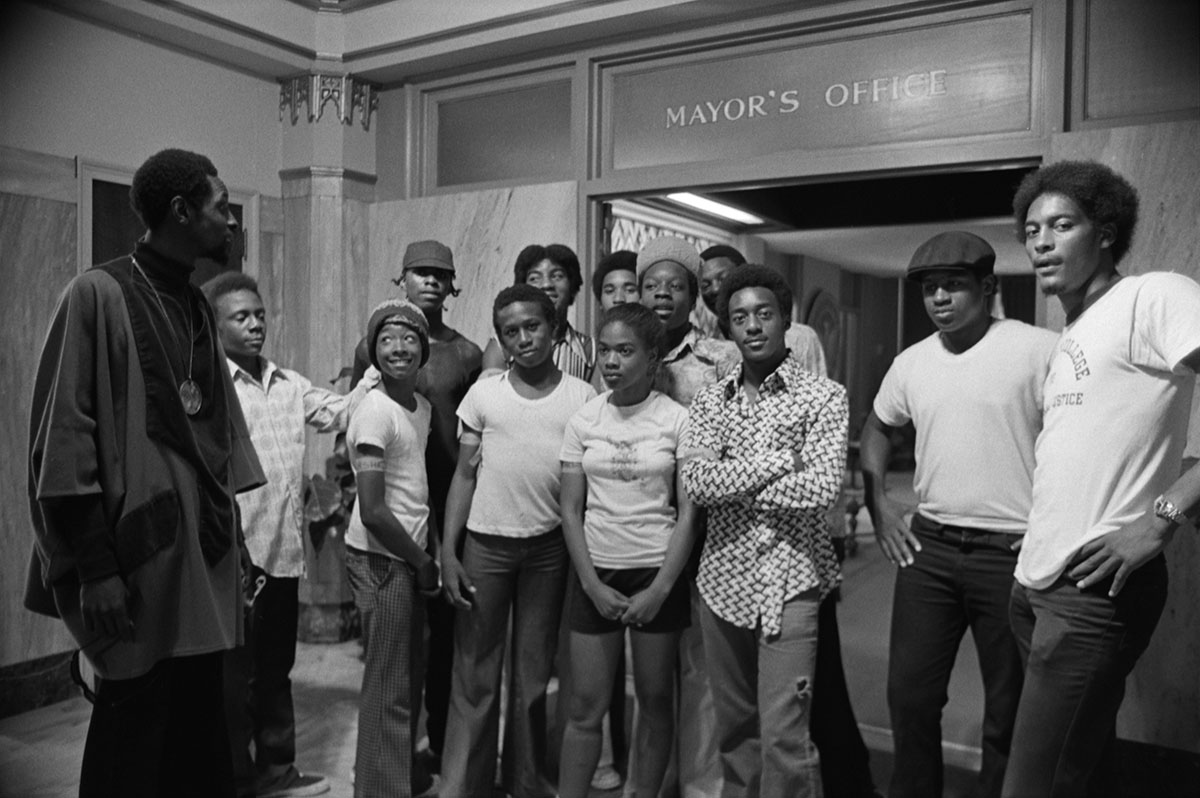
{"points": [[1163, 163], [37, 259], [485, 230]]}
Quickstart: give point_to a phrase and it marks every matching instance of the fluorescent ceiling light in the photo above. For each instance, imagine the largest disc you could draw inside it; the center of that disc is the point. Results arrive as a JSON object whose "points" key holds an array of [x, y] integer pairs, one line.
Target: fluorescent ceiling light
{"points": [[715, 208]]}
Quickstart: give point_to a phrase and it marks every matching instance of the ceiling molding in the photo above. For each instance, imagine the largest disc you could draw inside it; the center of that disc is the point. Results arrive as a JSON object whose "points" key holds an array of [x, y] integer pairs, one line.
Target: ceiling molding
{"points": [[337, 6]]}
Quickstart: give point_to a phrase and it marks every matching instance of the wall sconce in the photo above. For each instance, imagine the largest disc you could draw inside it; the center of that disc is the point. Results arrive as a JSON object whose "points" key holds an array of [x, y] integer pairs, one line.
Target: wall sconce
{"points": [[315, 89]]}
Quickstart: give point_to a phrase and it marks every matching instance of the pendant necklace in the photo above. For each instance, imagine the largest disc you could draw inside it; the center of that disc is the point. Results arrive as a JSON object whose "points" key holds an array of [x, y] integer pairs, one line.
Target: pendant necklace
{"points": [[189, 391]]}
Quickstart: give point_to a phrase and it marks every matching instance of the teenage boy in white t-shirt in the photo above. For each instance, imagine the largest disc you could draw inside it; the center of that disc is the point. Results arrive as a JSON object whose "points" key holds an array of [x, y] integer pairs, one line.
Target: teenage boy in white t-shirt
{"points": [[386, 560], [973, 390], [505, 495], [1107, 492]]}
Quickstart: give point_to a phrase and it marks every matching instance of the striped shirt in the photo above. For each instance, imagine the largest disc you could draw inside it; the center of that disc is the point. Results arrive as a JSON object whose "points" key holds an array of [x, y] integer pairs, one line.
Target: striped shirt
{"points": [[575, 354], [767, 536]]}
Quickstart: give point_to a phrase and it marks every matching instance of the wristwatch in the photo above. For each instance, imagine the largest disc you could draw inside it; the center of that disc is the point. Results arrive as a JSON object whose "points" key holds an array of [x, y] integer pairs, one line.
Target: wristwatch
{"points": [[1164, 509]]}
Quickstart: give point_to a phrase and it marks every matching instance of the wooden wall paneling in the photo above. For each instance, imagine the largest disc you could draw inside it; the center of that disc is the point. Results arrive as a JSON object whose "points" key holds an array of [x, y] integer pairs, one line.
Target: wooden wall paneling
{"points": [[37, 259]]}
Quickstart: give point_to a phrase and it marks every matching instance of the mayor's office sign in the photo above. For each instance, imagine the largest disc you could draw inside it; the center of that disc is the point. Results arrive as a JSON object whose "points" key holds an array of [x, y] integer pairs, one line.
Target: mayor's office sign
{"points": [[944, 81]]}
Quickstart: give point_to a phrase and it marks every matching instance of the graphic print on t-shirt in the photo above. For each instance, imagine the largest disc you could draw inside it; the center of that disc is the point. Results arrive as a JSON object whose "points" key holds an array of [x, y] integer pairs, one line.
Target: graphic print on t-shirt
{"points": [[624, 460]]}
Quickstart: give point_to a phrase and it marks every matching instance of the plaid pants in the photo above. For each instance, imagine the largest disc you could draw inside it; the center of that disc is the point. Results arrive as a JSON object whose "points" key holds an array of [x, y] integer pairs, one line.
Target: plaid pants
{"points": [[393, 616]]}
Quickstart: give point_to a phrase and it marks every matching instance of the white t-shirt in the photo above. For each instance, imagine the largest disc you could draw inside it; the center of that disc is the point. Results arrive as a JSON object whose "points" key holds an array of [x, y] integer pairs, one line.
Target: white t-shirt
{"points": [[628, 456], [1116, 418], [977, 416], [402, 435], [516, 488]]}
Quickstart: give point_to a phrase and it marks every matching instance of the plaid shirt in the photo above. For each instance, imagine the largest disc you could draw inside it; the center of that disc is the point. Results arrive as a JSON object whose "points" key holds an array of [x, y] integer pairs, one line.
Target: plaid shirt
{"points": [[767, 536], [276, 411]]}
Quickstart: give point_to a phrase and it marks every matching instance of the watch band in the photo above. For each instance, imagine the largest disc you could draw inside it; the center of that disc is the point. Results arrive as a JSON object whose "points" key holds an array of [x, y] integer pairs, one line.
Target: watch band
{"points": [[1166, 510]]}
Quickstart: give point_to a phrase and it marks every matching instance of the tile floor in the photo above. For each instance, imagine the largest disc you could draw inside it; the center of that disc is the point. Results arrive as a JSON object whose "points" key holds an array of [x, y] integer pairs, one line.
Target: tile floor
{"points": [[40, 750]]}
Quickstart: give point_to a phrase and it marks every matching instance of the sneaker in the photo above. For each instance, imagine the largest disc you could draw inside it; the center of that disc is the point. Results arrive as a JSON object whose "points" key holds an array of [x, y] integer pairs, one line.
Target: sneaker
{"points": [[295, 784], [606, 778], [432, 790]]}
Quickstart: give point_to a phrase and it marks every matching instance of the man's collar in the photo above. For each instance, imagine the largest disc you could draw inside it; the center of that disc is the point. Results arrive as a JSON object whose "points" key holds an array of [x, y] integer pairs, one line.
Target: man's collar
{"points": [[689, 342], [783, 379], [269, 369]]}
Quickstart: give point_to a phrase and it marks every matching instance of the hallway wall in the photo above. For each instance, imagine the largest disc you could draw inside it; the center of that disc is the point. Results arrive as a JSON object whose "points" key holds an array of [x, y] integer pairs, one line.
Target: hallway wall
{"points": [[485, 230], [1163, 163]]}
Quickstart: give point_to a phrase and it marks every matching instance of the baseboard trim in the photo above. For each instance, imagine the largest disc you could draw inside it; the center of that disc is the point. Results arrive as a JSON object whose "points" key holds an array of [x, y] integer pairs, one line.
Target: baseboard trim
{"points": [[966, 757]]}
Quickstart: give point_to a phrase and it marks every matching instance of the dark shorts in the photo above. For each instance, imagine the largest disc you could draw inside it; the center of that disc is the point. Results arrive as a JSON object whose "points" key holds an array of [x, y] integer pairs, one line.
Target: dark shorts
{"points": [[673, 616]]}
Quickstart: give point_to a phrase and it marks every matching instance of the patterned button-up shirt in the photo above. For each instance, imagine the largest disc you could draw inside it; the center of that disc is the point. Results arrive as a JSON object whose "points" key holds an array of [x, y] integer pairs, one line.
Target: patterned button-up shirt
{"points": [[276, 411], [767, 536], [695, 363]]}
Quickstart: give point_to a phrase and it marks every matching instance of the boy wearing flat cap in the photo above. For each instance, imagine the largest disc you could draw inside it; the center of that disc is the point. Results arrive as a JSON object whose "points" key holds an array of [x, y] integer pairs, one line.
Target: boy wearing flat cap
{"points": [[973, 390]]}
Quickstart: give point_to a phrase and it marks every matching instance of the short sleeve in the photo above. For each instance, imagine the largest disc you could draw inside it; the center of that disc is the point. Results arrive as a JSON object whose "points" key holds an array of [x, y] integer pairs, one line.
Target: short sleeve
{"points": [[370, 425], [468, 409], [679, 428], [572, 444], [1166, 321], [891, 402]]}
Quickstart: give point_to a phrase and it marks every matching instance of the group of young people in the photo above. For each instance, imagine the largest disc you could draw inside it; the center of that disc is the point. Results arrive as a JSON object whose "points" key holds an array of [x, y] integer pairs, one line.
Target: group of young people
{"points": [[684, 506], [574, 517]]}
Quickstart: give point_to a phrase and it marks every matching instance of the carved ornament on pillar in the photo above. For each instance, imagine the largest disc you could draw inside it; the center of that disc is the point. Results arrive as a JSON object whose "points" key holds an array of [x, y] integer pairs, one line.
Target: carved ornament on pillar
{"points": [[315, 89]]}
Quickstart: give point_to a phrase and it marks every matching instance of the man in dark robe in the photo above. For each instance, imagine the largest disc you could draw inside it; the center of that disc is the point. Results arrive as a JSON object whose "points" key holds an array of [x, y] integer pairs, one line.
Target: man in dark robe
{"points": [[137, 447]]}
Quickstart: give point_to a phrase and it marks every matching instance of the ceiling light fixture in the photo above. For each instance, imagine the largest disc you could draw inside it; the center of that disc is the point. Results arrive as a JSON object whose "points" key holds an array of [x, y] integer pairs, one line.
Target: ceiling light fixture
{"points": [[715, 208]]}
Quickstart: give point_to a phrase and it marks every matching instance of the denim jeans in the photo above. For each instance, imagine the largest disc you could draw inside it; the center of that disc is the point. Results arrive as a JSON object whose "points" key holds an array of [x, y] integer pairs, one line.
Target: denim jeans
{"points": [[528, 577], [763, 688], [962, 578], [1078, 646], [162, 733]]}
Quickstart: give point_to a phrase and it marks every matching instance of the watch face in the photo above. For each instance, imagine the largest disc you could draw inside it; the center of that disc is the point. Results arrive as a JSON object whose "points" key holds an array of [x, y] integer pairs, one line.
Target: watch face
{"points": [[1164, 509]]}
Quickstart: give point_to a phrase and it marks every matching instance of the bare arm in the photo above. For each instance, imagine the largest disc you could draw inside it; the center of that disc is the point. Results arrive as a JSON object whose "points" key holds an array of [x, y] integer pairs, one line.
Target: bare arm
{"points": [[572, 491], [644, 605], [1122, 552], [456, 585], [895, 538], [383, 524]]}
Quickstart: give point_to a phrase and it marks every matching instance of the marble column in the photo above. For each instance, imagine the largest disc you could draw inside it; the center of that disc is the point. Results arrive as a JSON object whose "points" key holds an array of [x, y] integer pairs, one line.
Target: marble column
{"points": [[318, 287]]}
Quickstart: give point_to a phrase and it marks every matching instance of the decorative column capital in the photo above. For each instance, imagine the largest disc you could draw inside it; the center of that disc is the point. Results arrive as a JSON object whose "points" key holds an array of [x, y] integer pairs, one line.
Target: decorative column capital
{"points": [[315, 89]]}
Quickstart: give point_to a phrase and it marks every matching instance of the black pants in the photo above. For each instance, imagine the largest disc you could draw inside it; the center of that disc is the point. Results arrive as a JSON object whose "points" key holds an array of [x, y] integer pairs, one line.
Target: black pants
{"points": [[258, 686], [161, 734], [439, 665], [845, 769]]}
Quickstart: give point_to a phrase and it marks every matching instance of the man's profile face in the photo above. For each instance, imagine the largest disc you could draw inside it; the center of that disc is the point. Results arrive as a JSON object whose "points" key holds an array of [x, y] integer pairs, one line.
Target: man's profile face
{"points": [[1063, 244], [213, 223], [712, 272], [756, 324], [241, 323]]}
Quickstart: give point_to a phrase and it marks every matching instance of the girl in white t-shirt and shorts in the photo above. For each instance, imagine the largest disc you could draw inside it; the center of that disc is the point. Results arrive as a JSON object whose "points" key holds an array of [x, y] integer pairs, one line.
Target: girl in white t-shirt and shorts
{"points": [[629, 549]]}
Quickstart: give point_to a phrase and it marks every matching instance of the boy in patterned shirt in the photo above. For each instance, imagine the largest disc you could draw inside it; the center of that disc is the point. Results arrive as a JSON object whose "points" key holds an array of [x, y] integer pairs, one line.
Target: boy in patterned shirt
{"points": [[766, 448]]}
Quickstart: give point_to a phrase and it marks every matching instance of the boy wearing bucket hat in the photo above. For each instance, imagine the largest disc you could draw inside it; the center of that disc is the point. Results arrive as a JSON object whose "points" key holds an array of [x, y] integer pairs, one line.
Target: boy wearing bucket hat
{"points": [[389, 569], [973, 390], [427, 280]]}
